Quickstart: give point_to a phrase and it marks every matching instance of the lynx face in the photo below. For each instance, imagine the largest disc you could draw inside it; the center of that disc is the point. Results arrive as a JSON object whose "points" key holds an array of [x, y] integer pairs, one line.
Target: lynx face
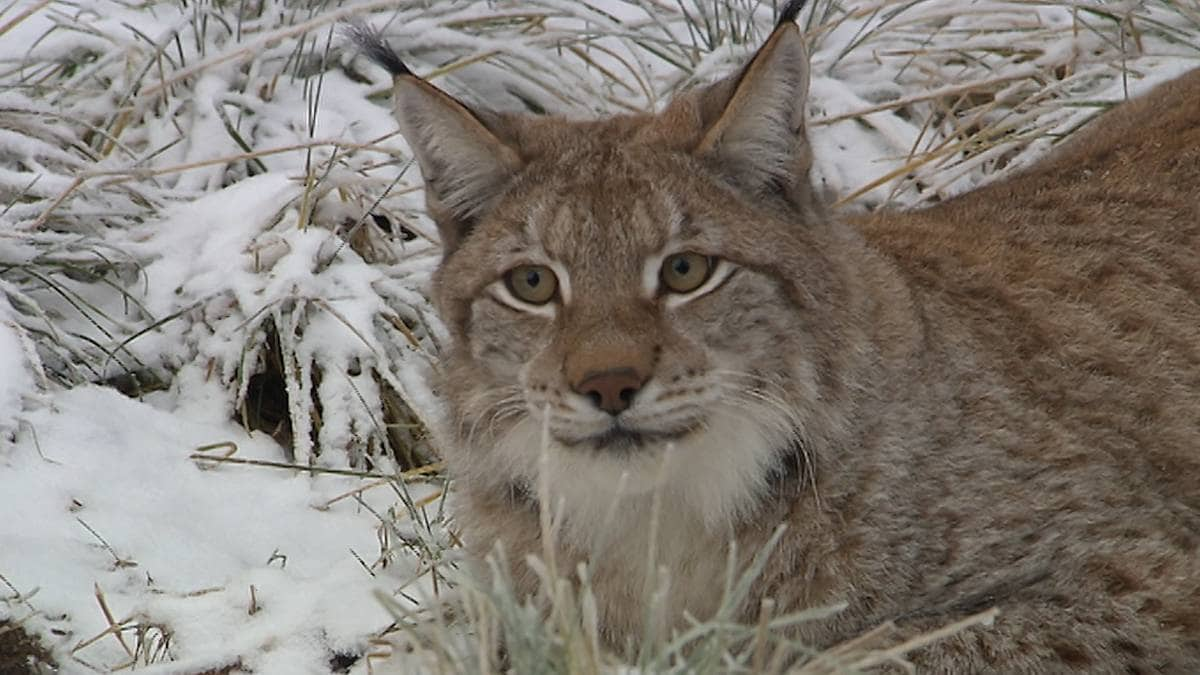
{"points": [[608, 309], [624, 294]]}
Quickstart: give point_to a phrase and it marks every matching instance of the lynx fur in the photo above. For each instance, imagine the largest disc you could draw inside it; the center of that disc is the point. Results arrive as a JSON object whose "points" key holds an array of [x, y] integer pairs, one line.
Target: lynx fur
{"points": [[991, 402]]}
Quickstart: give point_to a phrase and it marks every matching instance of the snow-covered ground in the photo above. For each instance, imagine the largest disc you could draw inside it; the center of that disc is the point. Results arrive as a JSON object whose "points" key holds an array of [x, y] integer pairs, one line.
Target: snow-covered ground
{"points": [[105, 509], [199, 206]]}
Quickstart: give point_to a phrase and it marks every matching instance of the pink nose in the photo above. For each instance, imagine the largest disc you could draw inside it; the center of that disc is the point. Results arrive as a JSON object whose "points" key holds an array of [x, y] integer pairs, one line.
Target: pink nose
{"points": [[611, 390]]}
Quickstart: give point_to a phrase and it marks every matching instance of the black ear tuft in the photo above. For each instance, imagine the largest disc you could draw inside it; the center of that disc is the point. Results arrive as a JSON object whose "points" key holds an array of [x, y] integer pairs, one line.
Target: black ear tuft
{"points": [[753, 122], [465, 161], [790, 12], [370, 41]]}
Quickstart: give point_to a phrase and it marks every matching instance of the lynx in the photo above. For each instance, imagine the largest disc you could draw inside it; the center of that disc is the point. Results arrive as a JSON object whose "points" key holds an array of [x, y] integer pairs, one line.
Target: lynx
{"points": [[661, 336]]}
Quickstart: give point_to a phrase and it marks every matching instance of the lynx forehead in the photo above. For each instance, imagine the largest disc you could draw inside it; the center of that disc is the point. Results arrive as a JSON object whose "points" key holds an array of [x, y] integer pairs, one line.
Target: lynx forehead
{"points": [[993, 401]]}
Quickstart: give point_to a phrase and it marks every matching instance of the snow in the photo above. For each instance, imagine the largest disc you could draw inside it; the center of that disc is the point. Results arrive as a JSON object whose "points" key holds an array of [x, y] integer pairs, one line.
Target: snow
{"points": [[100, 491], [16, 373]]}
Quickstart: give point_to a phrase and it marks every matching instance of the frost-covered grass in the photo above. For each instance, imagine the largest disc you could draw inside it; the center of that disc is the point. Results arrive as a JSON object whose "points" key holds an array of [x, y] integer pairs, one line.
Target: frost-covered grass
{"points": [[204, 205]]}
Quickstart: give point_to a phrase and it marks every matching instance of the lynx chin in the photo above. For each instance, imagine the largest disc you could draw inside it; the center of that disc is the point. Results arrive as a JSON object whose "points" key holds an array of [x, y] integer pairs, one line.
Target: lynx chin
{"points": [[991, 402]]}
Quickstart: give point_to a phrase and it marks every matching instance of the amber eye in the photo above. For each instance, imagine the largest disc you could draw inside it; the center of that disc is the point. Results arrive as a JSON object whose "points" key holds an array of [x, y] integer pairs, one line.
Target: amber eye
{"points": [[534, 284], [685, 272]]}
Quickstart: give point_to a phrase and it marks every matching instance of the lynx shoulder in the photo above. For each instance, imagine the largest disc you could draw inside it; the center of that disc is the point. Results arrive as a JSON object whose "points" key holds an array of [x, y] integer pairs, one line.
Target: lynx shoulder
{"points": [[991, 402]]}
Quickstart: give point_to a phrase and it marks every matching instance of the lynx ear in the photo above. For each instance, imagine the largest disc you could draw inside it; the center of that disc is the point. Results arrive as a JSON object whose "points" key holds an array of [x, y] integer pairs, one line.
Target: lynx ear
{"points": [[465, 162], [752, 123]]}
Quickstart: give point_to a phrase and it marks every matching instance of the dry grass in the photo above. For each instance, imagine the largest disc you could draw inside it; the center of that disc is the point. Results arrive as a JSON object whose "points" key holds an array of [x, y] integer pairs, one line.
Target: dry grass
{"points": [[941, 95]]}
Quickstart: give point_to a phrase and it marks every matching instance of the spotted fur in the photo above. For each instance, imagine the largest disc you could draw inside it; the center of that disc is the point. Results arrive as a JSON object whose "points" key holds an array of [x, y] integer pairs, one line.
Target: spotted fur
{"points": [[991, 402]]}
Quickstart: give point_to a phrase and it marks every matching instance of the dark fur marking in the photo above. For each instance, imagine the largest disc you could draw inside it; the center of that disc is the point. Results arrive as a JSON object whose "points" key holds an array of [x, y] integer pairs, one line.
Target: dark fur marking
{"points": [[370, 42], [789, 474], [520, 494], [790, 12], [1071, 654]]}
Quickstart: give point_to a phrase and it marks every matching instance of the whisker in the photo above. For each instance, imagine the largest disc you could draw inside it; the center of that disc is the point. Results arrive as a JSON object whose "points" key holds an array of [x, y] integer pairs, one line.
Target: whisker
{"points": [[774, 412], [507, 397], [503, 414]]}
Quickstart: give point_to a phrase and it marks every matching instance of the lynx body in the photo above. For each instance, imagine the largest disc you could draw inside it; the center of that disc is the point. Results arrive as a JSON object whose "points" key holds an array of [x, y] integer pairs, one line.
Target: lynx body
{"points": [[991, 402]]}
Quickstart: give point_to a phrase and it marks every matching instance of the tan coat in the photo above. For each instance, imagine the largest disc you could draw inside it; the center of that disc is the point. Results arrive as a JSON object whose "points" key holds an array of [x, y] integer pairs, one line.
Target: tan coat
{"points": [[991, 402]]}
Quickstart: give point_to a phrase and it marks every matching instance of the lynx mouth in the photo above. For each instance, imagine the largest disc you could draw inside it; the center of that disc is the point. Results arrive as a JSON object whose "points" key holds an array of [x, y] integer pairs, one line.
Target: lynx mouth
{"points": [[619, 438]]}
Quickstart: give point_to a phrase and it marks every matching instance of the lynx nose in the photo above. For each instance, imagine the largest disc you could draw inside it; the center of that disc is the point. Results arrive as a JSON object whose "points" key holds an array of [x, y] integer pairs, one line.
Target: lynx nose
{"points": [[611, 390]]}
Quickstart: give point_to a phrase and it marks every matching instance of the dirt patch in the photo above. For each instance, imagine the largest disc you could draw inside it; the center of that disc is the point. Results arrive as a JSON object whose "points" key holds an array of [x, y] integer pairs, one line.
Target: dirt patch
{"points": [[22, 653]]}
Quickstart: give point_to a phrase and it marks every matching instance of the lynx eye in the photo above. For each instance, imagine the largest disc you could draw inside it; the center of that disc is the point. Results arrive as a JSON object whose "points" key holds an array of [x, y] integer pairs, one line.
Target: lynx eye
{"points": [[685, 272], [535, 284]]}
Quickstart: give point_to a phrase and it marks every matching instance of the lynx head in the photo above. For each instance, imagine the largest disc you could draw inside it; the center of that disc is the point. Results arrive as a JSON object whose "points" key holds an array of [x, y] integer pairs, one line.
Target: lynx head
{"points": [[642, 300]]}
